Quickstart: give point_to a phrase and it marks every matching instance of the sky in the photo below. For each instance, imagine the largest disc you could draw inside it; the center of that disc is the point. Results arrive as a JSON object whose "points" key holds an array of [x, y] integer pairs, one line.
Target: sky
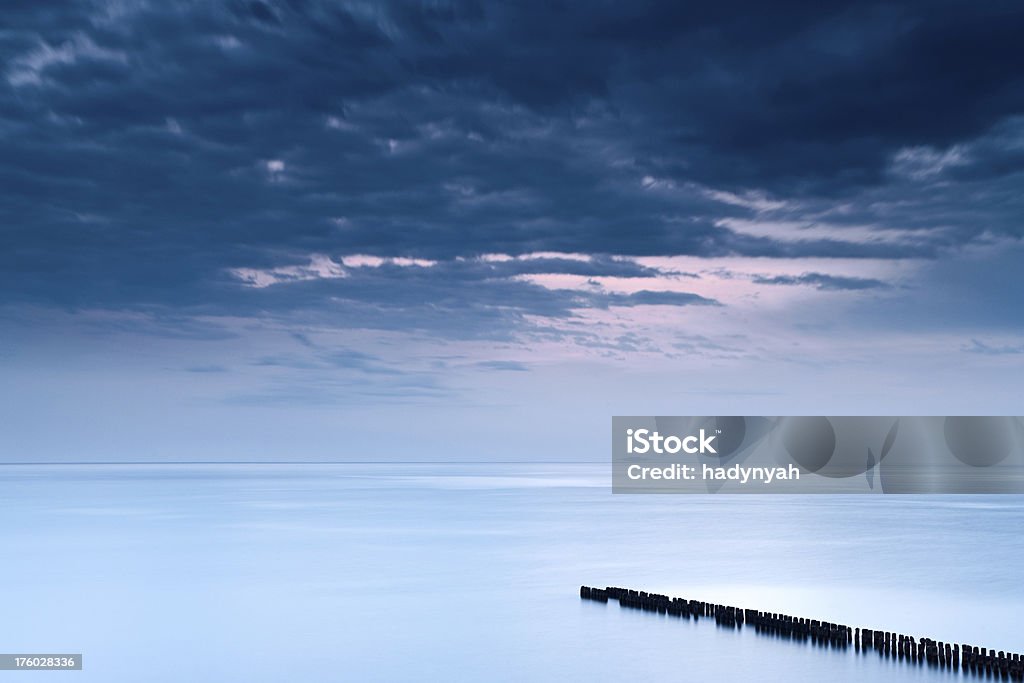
{"points": [[475, 231]]}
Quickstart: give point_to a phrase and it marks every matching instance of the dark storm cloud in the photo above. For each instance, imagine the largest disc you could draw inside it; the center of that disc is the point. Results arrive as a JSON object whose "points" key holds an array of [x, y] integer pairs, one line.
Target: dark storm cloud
{"points": [[149, 148], [822, 281], [503, 267], [649, 298]]}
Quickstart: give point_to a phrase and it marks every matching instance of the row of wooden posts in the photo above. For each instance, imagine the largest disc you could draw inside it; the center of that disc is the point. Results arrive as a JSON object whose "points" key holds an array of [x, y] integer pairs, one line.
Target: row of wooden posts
{"points": [[925, 651]]}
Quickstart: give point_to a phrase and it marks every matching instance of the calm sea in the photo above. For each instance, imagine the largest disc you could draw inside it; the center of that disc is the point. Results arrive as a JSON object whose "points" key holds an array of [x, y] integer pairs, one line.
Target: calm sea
{"points": [[471, 572]]}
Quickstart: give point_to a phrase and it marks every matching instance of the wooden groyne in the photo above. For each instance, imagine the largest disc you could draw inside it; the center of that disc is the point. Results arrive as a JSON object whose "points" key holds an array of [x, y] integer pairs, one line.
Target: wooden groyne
{"points": [[913, 650]]}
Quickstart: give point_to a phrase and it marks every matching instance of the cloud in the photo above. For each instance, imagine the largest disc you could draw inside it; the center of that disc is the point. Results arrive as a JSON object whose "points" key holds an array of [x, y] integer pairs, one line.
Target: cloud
{"points": [[920, 163], [822, 281], [382, 167], [206, 369], [30, 68], [977, 346], [503, 365], [319, 267], [651, 298]]}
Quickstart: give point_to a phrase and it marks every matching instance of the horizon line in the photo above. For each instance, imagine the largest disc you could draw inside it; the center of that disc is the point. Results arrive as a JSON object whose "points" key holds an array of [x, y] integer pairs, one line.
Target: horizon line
{"points": [[308, 462]]}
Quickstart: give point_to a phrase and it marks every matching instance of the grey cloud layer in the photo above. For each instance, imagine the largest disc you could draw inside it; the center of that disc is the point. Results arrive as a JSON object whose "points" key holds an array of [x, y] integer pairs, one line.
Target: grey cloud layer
{"points": [[822, 281], [148, 149]]}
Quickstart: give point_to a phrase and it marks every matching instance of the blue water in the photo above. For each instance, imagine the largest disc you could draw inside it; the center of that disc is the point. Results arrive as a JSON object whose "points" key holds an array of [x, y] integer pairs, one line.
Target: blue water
{"points": [[471, 572]]}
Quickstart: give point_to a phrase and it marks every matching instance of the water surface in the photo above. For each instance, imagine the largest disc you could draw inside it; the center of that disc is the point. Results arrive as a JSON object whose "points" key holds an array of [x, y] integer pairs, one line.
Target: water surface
{"points": [[406, 572]]}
